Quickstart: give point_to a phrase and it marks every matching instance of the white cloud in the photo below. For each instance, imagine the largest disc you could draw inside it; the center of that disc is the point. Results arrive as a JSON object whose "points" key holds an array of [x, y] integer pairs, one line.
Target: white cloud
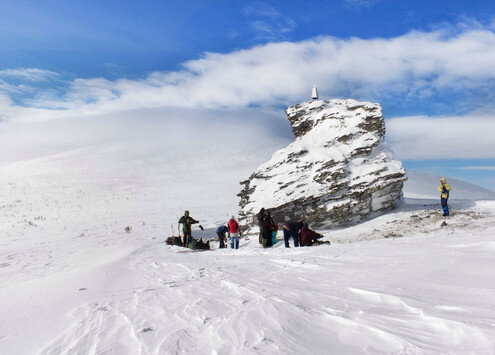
{"points": [[177, 134], [270, 24], [414, 66], [28, 74], [492, 24], [459, 137], [360, 3]]}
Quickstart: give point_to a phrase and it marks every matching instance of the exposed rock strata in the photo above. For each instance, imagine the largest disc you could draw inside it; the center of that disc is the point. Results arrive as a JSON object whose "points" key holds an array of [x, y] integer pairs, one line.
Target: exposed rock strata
{"points": [[337, 172]]}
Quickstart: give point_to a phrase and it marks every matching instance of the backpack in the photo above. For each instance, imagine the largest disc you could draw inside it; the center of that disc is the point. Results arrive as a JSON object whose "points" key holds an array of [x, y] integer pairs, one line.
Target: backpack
{"points": [[173, 241], [199, 245]]}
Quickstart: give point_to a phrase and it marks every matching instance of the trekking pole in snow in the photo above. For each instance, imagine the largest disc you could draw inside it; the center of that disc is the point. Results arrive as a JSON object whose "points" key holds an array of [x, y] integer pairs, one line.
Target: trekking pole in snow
{"points": [[178, 225]]}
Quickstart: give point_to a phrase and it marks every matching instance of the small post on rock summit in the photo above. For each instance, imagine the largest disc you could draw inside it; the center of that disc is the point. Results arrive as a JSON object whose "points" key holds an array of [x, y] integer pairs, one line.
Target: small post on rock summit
{"points": [[314, 93]]}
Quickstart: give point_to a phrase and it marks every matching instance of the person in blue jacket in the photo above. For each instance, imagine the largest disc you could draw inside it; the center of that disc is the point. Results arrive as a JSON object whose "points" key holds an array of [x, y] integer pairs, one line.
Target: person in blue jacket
{"points": [[221, 232]]}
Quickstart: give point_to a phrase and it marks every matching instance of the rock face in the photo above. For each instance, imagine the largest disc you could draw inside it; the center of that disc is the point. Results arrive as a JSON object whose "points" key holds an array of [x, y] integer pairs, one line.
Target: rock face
{"points": [[337, 171]]}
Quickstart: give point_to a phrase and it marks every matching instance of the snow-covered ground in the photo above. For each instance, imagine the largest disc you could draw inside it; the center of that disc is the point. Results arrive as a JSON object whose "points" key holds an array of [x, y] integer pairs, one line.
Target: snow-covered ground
{"points": [[73, 281]]}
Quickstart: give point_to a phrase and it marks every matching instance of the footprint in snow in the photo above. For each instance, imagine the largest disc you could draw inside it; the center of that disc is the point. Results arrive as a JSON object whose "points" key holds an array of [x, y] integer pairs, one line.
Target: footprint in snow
{"points": [[145, 330]]}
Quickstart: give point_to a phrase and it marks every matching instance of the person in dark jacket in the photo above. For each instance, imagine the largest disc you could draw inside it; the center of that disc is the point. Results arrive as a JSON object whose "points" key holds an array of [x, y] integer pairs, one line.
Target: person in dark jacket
{"points": [[186, 222], [266, 227], [291, 229], [265, 222], [261, 219], [308, 237], [221, 232]]}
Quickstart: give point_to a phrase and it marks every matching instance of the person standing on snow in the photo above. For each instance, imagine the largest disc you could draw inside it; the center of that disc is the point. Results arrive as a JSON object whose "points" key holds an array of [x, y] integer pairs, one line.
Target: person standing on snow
{"points": [[221, 232], [234, 233], [268, 229], [291, 229], [261, 220], [444, 196], [187, 221]]}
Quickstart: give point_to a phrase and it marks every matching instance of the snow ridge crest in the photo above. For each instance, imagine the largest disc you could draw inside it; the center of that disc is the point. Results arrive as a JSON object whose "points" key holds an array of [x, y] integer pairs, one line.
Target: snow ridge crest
{"points": [[337, 172]]}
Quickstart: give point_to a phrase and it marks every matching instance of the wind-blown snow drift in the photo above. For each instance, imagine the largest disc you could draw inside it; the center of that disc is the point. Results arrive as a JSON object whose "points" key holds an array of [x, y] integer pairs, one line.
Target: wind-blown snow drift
{"points": [[338, 170]]}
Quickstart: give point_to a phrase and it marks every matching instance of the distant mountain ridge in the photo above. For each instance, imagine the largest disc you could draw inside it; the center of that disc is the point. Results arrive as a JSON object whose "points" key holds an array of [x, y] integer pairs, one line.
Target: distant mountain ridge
{"points": [[423, 185]]}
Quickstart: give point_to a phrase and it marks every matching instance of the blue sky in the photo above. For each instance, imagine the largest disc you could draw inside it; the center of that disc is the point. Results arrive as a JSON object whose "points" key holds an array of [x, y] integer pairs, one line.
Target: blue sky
{"points": [[131, 38], [424, 61]]}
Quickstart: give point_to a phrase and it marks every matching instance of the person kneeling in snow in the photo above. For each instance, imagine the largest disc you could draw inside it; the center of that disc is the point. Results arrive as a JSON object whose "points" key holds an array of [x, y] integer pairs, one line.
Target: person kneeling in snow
{"points": [[234, 233], [309, 237], [444, 196]]}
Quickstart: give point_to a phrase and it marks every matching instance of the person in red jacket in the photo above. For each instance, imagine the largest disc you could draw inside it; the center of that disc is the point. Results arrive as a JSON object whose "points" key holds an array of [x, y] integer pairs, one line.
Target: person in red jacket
{"points": [[308, 237], [234, 233]]}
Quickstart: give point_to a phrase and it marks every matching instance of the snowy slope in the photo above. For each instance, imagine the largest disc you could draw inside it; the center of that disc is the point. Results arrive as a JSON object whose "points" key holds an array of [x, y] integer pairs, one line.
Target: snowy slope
{"points": [[422, 185], [72, 281]]}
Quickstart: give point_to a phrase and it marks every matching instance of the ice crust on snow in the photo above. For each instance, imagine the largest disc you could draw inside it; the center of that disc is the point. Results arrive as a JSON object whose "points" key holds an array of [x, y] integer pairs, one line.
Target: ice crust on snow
{"points": [[337, 171]]}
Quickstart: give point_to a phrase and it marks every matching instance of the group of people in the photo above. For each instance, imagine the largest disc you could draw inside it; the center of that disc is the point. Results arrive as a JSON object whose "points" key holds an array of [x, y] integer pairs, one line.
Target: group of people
{"points": [[233, 231], [299, 231]]}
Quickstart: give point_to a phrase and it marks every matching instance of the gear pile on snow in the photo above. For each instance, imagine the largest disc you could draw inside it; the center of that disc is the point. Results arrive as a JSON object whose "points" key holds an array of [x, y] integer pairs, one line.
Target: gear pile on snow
{"points": [[193, 244], [337, 172]]}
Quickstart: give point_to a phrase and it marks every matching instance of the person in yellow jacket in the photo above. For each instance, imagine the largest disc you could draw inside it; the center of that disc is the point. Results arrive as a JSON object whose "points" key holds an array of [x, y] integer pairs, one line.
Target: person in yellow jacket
{"points": [[444, 189]]}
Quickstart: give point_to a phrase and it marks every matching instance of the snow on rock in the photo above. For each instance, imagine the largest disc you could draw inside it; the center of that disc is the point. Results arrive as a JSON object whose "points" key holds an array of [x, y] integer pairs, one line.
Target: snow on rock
{"points": [[337, 172]]}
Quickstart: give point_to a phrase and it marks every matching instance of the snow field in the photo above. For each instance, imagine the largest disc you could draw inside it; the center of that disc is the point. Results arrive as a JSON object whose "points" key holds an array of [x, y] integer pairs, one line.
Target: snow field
{"points": [[73, 282], [416, 295]]}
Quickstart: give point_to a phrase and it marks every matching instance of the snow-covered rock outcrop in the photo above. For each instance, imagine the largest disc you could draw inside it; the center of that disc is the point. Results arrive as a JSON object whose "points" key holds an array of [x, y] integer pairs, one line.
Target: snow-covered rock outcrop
{"points": [[337, 172]]}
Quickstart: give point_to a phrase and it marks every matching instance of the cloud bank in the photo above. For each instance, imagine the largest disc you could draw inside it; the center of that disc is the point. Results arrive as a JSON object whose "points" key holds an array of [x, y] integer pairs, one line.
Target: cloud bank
{"points": [[417, 67], [456, 137]]}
